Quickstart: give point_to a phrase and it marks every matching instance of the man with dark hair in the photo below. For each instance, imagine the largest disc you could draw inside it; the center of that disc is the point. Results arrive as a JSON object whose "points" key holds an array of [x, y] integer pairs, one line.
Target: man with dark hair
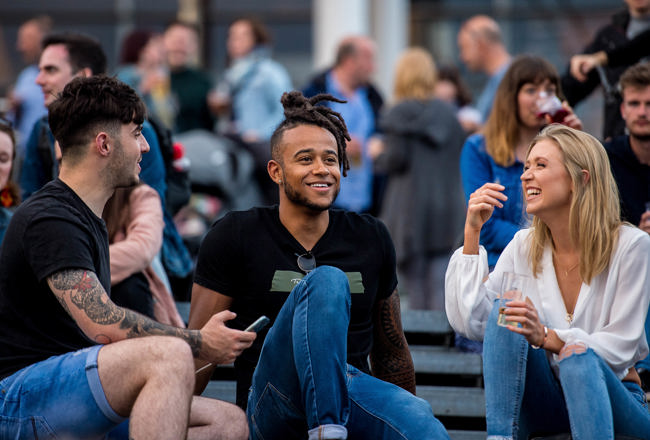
{"points": [[64, 57], [327, 280], [72, 363], [350, 80], [629, 157]]}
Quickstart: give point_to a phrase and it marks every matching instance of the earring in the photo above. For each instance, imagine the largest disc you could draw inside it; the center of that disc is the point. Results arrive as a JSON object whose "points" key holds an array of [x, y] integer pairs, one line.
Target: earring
{"points": [[280, 181]]}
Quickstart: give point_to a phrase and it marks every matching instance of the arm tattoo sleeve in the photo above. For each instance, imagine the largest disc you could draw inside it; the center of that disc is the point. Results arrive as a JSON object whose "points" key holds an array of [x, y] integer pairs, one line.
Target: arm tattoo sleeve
{"points": [[390, 358], [82, 289]]}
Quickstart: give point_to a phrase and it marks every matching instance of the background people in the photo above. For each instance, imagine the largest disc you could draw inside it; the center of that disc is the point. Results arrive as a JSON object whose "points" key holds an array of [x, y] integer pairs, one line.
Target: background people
{"points": [[189, 84], [9, 196], [482, 50], [579, 331], [423, 205], [624, 26], [349, 80]]}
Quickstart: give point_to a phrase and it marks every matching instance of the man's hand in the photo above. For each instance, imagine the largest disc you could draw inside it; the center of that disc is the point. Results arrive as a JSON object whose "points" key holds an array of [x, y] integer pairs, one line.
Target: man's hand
{"points": [[222, 345], [582, 64]]}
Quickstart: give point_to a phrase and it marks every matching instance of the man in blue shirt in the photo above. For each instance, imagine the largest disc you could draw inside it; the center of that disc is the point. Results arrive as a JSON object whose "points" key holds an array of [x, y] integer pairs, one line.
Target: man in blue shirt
{"points": [[349, 80], [482, 50]]}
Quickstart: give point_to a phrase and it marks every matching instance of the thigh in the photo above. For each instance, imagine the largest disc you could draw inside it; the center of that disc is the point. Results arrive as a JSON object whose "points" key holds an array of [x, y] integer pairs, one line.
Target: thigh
{"points": [[382, 410], [55, 398]]}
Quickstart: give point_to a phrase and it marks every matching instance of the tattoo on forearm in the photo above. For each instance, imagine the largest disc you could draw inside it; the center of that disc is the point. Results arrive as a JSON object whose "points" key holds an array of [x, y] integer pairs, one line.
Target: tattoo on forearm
{"points": [[138, 325], [390, 357], [86, 293]]}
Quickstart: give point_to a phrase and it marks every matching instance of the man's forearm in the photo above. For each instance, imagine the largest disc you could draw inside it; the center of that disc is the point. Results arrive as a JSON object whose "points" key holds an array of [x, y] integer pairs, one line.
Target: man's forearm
{"points": [[390, 358], [83, 297]]}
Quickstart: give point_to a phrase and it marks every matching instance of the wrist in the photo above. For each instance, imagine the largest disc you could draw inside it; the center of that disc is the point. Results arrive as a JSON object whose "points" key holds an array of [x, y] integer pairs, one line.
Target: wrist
{"points": [[541, 345]]}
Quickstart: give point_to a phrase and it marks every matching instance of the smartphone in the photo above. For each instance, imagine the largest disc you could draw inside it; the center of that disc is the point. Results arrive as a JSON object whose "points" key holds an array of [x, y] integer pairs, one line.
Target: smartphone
{"points": [[258, 325]]}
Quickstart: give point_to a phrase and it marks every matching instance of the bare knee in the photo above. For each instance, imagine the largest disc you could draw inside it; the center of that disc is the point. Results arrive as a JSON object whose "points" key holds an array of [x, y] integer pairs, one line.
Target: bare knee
{"points": [[572, 349], [217, 419]]}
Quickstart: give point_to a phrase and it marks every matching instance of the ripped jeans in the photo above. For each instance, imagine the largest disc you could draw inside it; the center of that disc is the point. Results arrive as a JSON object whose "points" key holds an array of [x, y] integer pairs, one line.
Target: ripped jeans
{"points": [[524, 397]]}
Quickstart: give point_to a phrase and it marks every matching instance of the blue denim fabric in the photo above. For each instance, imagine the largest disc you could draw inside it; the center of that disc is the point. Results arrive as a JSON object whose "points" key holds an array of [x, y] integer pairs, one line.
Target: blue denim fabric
{"points": [[60, 397], [302, 380], [524, 397]]}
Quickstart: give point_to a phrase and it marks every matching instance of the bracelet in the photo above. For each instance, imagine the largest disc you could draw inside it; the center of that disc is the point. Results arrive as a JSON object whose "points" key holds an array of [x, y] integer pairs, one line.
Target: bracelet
{"points": [[537, 347]]}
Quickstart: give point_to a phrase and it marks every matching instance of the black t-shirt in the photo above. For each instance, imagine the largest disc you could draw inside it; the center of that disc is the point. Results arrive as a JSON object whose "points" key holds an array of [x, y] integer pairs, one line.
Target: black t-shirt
{"points": [[52, 231], [251, 257], [632, 178]]}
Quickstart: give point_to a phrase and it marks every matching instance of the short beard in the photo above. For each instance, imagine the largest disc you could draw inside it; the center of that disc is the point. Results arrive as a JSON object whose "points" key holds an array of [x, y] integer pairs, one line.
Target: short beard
{"points": [[298, 199], [641, 138]]}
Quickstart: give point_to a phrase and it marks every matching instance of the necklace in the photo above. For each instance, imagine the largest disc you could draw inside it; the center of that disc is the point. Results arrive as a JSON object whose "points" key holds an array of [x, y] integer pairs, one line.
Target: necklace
{"points": [[569, 318], [566, 271]]}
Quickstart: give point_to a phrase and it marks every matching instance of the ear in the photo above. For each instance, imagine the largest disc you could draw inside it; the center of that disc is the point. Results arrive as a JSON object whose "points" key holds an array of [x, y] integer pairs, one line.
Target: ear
{"points": [[103, 144], [85, 72], [585, 176], [275, 171]]}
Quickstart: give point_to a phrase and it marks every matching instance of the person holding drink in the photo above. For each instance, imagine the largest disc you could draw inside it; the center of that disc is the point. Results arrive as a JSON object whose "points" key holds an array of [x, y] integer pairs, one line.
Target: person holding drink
{"points": [[568, 363]]}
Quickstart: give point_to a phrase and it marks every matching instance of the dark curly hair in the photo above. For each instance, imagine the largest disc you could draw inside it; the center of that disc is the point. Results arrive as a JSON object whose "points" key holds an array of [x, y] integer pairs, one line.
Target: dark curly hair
{"points": [[299, 110], [88, 105]]}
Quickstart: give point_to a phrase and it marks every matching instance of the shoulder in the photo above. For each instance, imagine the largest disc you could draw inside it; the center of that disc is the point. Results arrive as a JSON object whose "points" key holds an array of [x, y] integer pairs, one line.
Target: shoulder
{"points": [[358, 225], [476, 143], [317, 84], [631, 236]]}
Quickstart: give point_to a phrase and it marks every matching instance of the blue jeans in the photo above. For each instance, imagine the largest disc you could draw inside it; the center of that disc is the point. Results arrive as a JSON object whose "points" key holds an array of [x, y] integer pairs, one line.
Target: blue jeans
{"points": [[302, 381], [645, 363], [524, 397], [60, 397]]}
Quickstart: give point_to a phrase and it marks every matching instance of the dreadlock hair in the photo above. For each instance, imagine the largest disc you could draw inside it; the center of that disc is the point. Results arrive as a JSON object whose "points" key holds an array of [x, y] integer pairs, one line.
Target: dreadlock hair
{"points": [[299, 110]]}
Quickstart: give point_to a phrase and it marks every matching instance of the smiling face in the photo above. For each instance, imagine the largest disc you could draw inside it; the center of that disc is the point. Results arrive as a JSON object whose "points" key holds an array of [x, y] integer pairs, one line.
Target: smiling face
{"points": [[546, 184], [128, 149], [309, 170], [527, 107], [55, 71]]}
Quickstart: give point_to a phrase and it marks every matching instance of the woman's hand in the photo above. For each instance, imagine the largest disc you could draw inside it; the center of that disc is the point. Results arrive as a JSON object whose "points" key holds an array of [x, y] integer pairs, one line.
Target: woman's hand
{"points": [[525, 313], [480, 206], [571, 119]]}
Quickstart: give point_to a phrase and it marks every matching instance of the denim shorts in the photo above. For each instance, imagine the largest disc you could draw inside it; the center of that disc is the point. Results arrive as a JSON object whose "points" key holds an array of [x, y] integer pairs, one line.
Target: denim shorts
{"points": [[60, 397]]}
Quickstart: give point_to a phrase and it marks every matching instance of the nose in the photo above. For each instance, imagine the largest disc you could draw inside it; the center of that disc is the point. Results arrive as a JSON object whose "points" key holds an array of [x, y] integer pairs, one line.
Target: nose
{"points": [[321, 168], [144, 145], [525, 175], [39, 78]]}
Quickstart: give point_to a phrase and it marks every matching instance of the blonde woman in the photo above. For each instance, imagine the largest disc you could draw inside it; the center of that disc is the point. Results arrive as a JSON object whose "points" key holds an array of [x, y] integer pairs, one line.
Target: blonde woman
{"points": [[423, 203], [565, 363]]}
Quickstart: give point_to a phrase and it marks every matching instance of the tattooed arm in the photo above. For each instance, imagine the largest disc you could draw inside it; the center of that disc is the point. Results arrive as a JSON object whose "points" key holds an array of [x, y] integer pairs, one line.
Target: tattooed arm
{"points": [[83, 297], [390, 358]]}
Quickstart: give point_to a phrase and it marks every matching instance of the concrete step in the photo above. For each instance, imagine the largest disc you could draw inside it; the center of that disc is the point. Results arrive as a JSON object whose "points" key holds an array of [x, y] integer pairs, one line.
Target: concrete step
{"points": [[425, 321], [454, 401], [467, 435], [444, 360], [445, 401]]}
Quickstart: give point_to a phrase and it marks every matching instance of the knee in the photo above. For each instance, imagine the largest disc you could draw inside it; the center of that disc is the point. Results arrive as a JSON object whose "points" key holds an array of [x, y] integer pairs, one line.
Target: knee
{"points": [[169, 356], [572, 349]]}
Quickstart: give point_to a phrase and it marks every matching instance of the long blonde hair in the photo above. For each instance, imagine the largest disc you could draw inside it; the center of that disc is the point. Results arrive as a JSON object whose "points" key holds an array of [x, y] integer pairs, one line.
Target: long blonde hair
{"points": [[415, 75], [594, 215], [502, 127]]}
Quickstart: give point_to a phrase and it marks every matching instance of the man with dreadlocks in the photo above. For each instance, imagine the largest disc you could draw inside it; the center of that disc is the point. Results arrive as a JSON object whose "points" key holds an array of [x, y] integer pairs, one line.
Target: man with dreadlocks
{"points": [[326, 278]]}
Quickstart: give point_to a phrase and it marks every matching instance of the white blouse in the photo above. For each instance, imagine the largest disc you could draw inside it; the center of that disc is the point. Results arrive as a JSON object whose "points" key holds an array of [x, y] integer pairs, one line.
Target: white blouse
{"points": [[610, 313]]}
